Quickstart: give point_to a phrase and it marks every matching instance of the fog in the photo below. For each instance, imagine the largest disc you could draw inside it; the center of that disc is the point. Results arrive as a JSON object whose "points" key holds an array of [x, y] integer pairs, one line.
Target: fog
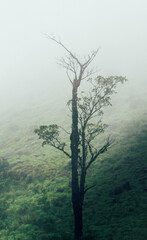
{"points": [[28, 59]]}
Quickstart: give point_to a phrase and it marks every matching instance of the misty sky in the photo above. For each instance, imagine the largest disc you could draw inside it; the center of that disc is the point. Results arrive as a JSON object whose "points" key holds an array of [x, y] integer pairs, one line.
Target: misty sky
{"points": [[28, 60]]}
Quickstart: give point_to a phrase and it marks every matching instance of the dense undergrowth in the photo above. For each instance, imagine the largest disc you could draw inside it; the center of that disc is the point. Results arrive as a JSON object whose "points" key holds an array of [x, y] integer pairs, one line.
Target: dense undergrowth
{"points": [[35, 183]]}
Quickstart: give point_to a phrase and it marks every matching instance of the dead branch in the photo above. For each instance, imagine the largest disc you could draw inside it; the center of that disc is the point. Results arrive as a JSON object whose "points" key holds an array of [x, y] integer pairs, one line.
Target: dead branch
{"points": [[74, 64]]}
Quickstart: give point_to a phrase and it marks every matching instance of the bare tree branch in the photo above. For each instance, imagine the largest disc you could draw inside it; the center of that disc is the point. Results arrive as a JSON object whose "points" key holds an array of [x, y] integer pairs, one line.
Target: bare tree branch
{"points": [[88, 188], [69, 76], [64, 130], [89, 73], [73, 63], [62, 45], [97, 153], [60, 149]]}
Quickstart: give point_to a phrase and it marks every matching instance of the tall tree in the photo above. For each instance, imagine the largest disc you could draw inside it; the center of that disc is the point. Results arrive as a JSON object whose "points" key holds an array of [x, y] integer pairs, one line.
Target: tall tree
{"points": [[84, 130]]}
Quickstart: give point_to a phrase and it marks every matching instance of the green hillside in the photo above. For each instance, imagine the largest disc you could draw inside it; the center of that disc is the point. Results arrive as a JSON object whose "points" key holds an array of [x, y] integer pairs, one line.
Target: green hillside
{"points": [[35, 185]]}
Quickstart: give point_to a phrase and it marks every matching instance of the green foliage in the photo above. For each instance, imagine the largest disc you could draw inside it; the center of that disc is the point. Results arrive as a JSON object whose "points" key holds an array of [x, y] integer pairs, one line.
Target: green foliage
{"points": [[50, 135]]}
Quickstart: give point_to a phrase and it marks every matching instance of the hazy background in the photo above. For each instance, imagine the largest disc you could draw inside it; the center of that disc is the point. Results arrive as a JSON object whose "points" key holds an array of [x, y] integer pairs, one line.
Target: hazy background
{"points": [[28, 66]]}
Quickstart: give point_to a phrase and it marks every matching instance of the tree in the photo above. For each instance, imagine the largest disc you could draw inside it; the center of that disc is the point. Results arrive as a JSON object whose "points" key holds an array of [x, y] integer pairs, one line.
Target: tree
{"points": [[84, 129]]}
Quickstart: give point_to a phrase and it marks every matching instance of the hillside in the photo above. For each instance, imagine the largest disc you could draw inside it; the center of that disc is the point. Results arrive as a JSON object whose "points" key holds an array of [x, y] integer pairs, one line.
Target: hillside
{"points": [[35, 183]]}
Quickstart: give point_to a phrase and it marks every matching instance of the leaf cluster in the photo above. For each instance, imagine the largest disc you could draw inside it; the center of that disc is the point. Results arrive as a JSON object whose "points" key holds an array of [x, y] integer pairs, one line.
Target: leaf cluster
{"points": [[50, 135]]}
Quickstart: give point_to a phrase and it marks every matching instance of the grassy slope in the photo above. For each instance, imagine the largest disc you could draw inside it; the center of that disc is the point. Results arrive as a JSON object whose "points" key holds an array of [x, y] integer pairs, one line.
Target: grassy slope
{"points": [[35, 181], [118, 201]]}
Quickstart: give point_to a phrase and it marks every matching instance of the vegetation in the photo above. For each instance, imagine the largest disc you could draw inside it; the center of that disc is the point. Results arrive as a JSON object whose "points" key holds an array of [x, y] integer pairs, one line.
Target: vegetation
{"points": [[35, 198]]}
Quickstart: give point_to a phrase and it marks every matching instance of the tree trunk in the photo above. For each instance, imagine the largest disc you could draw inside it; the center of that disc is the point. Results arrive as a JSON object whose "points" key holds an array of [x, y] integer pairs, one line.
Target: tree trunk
{"points": [[76, 199], [83, 170], [78, 221]]}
